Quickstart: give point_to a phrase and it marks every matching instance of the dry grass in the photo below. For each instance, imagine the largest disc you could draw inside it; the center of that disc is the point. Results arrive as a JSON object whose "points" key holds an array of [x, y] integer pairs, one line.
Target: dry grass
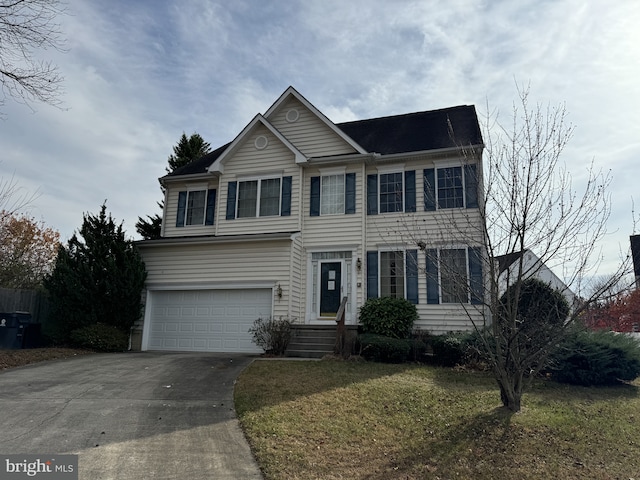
{"points": [[330, 420], [17, 358]]}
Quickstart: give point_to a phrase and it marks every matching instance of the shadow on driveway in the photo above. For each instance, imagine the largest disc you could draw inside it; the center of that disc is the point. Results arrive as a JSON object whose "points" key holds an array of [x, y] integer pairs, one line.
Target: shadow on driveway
{"points": [[130, 416]]}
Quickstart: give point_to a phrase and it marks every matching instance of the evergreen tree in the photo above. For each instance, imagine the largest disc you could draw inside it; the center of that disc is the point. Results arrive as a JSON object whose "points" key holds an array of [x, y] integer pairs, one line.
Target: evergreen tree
{"points": [[186, 151], [98, 278]]}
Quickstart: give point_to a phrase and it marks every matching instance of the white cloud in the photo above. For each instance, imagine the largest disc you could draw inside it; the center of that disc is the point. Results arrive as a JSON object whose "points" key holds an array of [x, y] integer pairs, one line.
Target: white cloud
{"points": [[138, 74]]}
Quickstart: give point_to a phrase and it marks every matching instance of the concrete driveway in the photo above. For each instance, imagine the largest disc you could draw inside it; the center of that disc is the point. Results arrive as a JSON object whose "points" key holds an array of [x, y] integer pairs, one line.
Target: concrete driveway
{"points": [[130, 416]]}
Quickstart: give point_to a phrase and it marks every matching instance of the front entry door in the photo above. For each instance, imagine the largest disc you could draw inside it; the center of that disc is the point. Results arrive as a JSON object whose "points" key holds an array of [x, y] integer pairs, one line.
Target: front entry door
{"points": [[330, 288]]}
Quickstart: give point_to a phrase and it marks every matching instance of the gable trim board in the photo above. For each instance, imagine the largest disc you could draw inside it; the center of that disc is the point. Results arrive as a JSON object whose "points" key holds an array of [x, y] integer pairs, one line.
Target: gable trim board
{"points": [[338, 226]]}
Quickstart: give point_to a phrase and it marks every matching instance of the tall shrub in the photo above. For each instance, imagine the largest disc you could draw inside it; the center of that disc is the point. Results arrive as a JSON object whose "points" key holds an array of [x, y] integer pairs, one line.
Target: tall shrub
{"points": [[387, 316], [98, 278]]}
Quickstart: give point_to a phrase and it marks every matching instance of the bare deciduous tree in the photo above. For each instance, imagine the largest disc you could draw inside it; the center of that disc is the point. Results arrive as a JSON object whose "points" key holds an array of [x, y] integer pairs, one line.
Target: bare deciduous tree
{"points": [[25, 27], [527, 202]]}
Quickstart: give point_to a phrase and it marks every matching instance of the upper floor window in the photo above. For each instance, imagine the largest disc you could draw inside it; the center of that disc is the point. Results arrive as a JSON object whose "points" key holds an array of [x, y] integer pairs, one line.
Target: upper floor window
{"points": [[391, 192], [332, 194], [261, 197], [196, 207], [450, 187]]}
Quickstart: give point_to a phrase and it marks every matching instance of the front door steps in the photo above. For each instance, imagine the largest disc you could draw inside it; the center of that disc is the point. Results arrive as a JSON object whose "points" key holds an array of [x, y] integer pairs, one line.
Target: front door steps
{"points": [[313, 341]]}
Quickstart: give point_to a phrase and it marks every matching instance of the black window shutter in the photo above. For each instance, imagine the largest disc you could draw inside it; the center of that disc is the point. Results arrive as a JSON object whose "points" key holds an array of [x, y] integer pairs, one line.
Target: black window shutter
{"points": [[433, 294], [475, 275], [182, 206], [372, 274], [231, 200], [412, 276], [314, 200], [429, 189], [471, 186], [372, 194], [350, 193], [286, 196], [410, 191], [211, 206]]}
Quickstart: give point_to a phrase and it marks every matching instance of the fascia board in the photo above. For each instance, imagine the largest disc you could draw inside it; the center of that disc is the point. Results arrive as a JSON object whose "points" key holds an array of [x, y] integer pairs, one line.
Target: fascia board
{"points": [[292, 92]]}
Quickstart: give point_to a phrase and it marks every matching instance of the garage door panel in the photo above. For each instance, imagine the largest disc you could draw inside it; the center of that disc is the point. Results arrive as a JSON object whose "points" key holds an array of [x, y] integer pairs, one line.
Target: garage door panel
{"points": [[206, 320]]}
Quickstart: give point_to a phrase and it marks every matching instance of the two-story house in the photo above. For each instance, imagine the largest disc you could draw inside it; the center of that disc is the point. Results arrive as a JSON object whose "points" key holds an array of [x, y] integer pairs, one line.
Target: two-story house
{"points": [[297, 213]]}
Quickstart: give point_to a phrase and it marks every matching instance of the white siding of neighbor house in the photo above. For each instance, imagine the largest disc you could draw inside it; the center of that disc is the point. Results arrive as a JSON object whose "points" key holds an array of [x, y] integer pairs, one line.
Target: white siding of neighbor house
{"points": [[222, 265], [309, 133], [247, 161], [170, 209]]}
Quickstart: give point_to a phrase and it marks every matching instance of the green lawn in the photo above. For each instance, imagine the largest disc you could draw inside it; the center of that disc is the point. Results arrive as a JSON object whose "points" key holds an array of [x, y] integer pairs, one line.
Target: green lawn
{"points": [[360, 420]]}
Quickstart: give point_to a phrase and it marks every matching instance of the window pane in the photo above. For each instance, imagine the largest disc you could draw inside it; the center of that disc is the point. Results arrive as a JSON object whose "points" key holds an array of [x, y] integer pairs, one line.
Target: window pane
{"points": [[453, 276], [195, 207], [391, 196], [332, 195], [247, 199], [270, 197], [392, 274], [450, 191]]}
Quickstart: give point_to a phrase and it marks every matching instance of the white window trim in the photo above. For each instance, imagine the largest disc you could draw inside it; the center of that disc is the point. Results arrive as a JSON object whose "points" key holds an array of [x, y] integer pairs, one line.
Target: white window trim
{"points": [[344, 191], [259, 180], [192, 189], [464, 190], [402, 249], [466, 264], [387, 171]]}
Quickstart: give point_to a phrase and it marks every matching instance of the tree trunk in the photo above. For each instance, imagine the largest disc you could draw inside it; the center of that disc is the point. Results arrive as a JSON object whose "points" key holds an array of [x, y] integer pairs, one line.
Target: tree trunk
{"points": [[511, 386]]}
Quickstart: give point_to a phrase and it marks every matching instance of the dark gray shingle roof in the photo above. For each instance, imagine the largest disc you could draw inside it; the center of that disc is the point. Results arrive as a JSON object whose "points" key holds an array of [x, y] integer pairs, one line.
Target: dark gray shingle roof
{"points": [[410, 132]]}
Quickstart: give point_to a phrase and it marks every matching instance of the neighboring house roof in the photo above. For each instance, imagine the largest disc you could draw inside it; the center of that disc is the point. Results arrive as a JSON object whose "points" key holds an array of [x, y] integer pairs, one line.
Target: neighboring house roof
{"points": [[505, 261], [411, 132]]}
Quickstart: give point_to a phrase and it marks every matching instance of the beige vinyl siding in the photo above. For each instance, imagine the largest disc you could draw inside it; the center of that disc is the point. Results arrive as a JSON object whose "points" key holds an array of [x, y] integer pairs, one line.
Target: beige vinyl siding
{"points": [[297, 296], [333, 230], [223, 265], [309, 133], [170, 210], [276, 159], [442, 228]]}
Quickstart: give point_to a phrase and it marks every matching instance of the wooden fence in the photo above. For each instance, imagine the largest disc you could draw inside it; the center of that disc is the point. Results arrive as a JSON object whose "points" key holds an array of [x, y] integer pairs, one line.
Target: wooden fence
{"points": [[32, 301]]}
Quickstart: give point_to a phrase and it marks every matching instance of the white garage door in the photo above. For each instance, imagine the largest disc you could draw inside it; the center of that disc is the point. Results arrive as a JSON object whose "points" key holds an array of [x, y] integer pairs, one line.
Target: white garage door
{"points": [[206, 320]]}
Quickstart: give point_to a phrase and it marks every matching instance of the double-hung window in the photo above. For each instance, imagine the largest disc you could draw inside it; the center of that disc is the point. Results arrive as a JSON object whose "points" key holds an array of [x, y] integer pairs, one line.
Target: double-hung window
{"points": [[196, 207], [261, 197], [393, 274], [332, 194], [454, 275], [391, 192], [450, 187]]}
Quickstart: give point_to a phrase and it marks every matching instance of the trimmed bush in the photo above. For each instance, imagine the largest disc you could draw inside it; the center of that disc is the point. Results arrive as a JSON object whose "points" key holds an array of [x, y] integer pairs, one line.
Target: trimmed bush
{"points": [[100, 337], [596, 358], [387, 316], [379, 348], [450, 349], [271, 334]]}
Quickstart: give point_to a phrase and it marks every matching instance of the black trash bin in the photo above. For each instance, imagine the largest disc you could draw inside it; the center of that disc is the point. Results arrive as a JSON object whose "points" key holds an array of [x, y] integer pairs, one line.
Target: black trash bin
{"points": [[18, 330], [10, 331]]}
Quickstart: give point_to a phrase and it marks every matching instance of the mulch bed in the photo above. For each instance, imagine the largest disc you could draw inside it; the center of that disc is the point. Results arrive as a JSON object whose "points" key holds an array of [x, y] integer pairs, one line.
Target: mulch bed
{"points": [[17, 358]]}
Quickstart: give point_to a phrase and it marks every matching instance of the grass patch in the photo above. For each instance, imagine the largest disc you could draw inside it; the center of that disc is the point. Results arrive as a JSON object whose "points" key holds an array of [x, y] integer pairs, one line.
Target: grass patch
{"points": [[332, 419]]}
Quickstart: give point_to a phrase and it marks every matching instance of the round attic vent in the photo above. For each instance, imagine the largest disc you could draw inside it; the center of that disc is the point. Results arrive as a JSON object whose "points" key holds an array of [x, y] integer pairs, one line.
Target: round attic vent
{"points": [[261, 142], [292, 115]]}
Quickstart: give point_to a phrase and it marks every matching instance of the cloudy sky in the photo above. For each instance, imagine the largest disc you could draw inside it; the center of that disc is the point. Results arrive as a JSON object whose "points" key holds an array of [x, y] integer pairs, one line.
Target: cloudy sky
{"points": [[140, 73]]}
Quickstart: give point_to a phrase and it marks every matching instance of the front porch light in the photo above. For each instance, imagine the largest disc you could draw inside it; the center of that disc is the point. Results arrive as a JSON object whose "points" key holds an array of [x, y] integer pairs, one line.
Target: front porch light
{"points": [[359, 264]]}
